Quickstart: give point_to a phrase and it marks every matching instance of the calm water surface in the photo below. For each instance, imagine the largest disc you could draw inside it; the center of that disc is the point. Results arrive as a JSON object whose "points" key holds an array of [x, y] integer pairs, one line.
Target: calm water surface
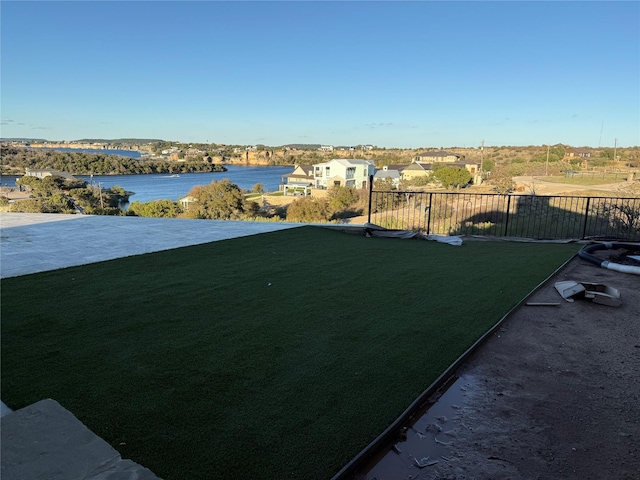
{"points": [[164, 186]]}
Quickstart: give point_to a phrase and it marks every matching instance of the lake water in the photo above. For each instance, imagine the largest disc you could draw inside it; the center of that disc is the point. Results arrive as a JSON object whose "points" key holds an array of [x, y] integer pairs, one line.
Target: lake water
{"points": [[164, 186]]}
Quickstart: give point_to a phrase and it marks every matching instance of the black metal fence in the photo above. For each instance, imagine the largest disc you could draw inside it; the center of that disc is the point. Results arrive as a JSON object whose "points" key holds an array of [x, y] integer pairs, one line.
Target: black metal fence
{"points": [[525, 216]]}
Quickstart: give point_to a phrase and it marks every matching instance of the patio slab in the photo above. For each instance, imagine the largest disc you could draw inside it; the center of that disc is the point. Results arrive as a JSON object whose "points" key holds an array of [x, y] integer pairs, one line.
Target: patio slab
{"points": [[38, 242]]}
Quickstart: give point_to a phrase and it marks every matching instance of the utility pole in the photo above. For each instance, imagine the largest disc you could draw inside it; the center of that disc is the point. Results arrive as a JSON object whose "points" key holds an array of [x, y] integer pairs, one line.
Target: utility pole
{"points": [[615, 149], [546, 169], [481, 155]]}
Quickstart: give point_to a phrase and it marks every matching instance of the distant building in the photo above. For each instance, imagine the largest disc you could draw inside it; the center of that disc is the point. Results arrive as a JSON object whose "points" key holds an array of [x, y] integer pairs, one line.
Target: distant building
{"points": [[326, 148], [302, 176], [571, 152], [47, 172], [437, 157], [388, 174], [343, 172]]}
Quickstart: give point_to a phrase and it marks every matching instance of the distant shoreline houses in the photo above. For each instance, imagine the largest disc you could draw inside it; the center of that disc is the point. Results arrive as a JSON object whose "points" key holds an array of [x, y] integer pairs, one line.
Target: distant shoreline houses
{"points": [[355, 173]]}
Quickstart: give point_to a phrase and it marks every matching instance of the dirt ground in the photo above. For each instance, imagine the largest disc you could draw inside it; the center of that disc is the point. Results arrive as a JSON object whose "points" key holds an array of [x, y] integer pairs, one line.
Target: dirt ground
{"points": [[554, 394]]}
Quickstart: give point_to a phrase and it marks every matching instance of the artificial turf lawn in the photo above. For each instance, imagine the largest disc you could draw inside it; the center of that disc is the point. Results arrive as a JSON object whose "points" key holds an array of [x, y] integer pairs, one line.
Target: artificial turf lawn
{"points": [[279, 355]]}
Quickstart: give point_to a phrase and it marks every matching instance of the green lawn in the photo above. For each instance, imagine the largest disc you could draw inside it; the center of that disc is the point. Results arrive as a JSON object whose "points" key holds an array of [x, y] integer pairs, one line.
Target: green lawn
{"points": [[279, 355]]}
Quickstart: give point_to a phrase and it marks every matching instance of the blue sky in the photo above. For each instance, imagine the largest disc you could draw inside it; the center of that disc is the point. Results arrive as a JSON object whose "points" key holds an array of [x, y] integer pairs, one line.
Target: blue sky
{"points": [[392, 74]]}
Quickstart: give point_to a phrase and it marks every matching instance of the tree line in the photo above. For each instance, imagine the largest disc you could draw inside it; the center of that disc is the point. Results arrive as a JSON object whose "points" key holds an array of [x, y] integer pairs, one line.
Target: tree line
{"points": [[16, 159]]}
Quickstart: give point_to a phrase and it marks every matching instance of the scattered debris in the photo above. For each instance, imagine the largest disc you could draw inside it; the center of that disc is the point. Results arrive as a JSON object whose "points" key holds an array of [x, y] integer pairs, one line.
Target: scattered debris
{"points": [[424, 462], [396, 449], [596, 292], [446, 444]]}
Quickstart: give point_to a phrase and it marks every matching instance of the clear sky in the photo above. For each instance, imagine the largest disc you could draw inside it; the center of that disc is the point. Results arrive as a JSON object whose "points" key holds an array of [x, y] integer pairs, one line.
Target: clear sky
{"points": [[392, 74]]}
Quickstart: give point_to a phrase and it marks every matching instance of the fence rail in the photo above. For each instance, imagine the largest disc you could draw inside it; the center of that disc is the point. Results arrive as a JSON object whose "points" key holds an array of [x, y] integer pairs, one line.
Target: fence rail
{"points": [[524, 216]]}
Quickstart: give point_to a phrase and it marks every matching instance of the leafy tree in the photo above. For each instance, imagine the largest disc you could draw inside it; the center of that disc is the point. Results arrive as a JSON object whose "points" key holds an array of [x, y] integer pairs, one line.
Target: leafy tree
{"points": [[607, 154], [384, 184], [340, 197], [452, 176], [258, 188], [488, 165], [221, 200], [501, 180], [308, 209], [155, 209]]}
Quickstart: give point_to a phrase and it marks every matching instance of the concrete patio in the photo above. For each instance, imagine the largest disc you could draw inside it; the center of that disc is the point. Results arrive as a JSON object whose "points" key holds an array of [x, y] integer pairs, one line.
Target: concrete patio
{"points": [[38, 242]]}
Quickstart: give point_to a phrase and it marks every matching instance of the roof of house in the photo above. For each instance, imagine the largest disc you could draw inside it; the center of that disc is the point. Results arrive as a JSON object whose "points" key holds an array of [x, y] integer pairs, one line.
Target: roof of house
{"points": [[438, 154], [307, 169], [50, 171], [419, 166], [347, 162], [399, 168]]}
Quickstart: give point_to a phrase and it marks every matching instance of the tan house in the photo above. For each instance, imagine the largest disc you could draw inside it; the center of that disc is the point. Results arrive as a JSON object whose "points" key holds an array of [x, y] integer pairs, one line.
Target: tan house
{"points": [[439, 156], [302, 176], [416, 170]]}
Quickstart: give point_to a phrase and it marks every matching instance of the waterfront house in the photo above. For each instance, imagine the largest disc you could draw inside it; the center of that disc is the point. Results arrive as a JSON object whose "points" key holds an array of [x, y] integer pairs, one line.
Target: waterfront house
{"points": [[343, 172], [42, 173], [302, 176], [186, 201]]}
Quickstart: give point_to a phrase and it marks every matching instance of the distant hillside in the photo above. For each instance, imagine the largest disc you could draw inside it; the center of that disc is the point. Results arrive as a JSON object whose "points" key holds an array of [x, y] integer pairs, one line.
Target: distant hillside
{"points": [[118, 141], [134, 141], [22, 140], [303, 146]]}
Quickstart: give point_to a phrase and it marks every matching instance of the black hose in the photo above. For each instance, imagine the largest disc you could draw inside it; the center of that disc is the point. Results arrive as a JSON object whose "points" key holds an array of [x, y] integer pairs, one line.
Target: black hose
{"points": [[585, 254]]}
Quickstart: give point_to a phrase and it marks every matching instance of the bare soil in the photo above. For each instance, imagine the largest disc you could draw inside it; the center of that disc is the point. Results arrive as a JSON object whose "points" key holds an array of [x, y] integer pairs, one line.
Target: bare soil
{"points": [[554, 394]]}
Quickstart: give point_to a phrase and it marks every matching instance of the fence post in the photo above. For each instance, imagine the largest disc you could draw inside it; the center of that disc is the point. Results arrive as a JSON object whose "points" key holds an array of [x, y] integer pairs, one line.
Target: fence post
{"points": [[370, 195], [586, 218], [429, 216], [506, 223]]}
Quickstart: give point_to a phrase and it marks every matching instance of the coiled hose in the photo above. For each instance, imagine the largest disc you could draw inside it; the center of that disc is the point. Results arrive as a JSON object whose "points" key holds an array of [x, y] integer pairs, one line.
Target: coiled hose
{"points": [[585, 254]]}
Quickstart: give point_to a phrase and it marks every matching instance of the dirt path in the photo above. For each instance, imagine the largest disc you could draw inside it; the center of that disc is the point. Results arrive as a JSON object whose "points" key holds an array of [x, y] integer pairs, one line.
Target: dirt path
{"points": [[542, 187]]}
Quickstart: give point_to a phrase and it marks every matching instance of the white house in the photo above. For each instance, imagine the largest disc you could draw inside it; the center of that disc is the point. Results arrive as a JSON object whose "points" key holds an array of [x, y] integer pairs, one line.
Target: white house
{"points": [[343, 172], [388, 173], [41, 173]]}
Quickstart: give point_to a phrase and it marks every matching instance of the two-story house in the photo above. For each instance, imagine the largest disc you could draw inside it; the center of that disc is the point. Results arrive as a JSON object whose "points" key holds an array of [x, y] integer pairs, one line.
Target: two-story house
{"points": [[343, 172], [302, 176]]}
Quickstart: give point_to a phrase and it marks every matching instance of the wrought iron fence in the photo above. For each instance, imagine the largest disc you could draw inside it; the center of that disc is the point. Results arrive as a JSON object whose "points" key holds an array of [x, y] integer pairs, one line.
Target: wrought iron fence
{"points": [[524, 216]]}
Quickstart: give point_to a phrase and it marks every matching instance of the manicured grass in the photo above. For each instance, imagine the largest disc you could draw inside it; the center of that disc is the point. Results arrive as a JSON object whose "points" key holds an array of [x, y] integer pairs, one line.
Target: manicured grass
{"points": [[274, 356]]}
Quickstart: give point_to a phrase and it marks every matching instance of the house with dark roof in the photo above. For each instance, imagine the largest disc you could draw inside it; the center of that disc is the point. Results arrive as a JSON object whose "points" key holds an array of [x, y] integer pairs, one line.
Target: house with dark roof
{"points": [[438, 156], [571, 152]]}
